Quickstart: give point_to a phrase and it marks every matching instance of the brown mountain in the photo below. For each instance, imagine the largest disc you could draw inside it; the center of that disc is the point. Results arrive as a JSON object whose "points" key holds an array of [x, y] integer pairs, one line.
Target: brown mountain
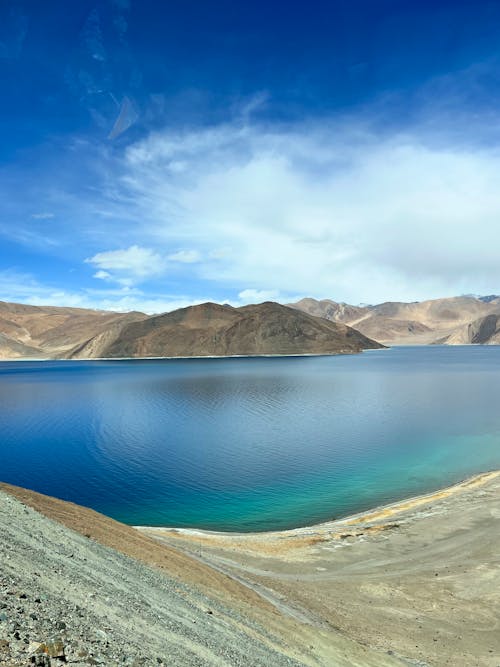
{"points": [[221, 330], [451, 321], [483, 331], [50, 331]]}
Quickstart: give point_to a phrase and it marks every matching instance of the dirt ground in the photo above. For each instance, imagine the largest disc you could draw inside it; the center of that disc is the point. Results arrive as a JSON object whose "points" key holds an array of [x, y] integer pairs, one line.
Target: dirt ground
{"points": [[418, 580], [414, 583], [124, 598]]}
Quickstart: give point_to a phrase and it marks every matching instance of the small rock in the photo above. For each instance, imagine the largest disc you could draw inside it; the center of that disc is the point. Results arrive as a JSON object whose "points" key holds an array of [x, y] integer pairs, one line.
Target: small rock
{"points": [[54, 648], [4, 646], [34, 647]]}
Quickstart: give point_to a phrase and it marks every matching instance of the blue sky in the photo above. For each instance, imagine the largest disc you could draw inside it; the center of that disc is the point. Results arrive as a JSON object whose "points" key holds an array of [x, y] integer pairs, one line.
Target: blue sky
{"points": [[157, 154]]}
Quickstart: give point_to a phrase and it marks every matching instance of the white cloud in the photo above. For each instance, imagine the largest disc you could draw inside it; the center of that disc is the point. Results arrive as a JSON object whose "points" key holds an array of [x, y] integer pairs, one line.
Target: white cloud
{"points": [[25, 288], [185, 256], [127, 266], [102, 275], [324, 209]]}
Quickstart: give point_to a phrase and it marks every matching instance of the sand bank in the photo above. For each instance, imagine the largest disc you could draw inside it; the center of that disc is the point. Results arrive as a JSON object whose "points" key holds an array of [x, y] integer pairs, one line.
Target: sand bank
{"points": [[418, 580]]}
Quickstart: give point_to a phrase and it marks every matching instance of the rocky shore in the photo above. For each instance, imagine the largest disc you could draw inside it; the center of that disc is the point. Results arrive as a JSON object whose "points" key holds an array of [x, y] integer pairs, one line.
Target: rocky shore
{"points": [[414, 583], [81, 589], [65, 598]]}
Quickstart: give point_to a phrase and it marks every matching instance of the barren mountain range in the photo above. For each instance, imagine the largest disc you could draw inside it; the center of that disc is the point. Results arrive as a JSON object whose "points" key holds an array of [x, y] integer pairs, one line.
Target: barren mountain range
{"points": [[306, 327], [203, 330], [452, 321]]}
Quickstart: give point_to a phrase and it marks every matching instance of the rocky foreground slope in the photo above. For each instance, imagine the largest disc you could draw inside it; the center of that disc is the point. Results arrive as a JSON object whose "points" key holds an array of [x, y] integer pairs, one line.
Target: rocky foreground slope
{"points": [[454, 321], [81, 589]]}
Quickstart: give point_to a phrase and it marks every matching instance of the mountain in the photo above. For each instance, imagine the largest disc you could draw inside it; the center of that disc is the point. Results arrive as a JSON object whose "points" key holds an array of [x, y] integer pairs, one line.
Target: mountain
{"points": [[309, 326], [483, 331], [221, 330], [49, 331], [419, 323]]}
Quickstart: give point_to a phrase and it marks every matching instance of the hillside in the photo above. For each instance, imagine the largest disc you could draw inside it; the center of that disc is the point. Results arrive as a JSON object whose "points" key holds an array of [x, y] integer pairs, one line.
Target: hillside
{"points": [[413, 583], [483, 331], [452, 321], [78, 588], [50, 331], [213, 329]]}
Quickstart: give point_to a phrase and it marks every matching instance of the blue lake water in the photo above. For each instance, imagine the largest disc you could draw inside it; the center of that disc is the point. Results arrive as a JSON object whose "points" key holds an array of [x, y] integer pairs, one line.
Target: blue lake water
{"points": [[250, 444]]}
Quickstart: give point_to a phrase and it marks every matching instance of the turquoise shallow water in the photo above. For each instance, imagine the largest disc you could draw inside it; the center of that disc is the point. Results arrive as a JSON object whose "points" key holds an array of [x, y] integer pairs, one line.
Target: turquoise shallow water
{"points": [[250, 444]]}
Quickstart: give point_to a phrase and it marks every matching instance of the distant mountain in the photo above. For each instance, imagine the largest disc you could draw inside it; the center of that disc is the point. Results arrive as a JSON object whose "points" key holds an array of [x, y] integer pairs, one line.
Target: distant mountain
{"points": [[483, 331], [330, 310], [212, 329], [419, 323], [309, 326], [50, 331]]}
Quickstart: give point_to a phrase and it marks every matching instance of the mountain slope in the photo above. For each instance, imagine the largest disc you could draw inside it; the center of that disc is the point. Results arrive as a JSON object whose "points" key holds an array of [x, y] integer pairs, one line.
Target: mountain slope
{"points": [[48, 331], [483, 331], [424, 322], [114, 596], [211, 329]]}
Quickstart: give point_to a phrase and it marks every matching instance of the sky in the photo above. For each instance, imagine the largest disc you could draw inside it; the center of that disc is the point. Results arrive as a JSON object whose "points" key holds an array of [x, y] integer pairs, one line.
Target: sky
{"points": [[155, 154]]}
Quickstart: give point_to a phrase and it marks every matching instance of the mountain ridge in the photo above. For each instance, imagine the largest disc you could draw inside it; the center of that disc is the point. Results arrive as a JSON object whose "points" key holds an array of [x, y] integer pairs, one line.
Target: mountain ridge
{"points": [[212, 329], [430, 322], [269, 328]]}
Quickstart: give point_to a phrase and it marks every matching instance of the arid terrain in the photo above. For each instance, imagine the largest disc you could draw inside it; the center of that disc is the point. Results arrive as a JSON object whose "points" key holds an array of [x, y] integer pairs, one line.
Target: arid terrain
{"points": [[454, 321], [414, 583], [206, 330], [49, 331], [306, 327], [419, 580], [96, 592]]}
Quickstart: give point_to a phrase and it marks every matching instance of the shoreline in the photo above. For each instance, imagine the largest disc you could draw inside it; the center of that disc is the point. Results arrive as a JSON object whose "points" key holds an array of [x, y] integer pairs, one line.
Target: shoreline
{"points": [[417, 579], [410, 582], [377, 513], [202, 356]]}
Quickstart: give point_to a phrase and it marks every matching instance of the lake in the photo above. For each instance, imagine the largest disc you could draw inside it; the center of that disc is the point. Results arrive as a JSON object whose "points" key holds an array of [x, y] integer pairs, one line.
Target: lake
{"points": [[250, 443]]}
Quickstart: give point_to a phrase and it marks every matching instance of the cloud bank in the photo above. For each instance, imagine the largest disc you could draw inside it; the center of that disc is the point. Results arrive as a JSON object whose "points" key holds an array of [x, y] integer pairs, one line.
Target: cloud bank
{"points": [[324, 209]]}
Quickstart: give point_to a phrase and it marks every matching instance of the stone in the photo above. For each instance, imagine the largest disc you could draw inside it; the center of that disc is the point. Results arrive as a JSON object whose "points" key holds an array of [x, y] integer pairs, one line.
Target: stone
{"points": [[54, 648]]}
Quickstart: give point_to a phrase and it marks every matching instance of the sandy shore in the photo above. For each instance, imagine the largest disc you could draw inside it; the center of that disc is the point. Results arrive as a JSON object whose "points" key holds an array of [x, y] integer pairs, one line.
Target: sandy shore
{"points": [[418, 580], [411, 583], [152, 600]]}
